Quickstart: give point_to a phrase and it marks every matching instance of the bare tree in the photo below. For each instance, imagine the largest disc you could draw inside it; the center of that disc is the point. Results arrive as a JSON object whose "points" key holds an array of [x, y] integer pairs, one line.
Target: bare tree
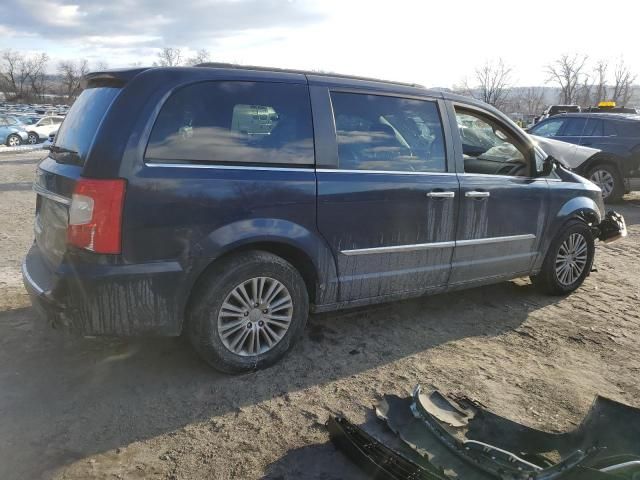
{"points": [[492, 83], [169, 57], [101, 65], [22, 78], [37, 67], [532, 100], [600, 82], [584, 90], [72, 73], [201, 56], [568, 73], [623, 86]]}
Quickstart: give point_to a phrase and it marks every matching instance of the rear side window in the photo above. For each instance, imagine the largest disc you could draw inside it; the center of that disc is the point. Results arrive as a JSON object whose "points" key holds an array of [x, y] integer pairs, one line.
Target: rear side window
{"points": [[76, 134], [388, 133], [628, 129], [594, 128], [574, 127], [235, 123]]}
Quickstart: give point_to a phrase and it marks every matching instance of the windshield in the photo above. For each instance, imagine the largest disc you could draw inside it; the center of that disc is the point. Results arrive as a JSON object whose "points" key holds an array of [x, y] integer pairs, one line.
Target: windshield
{"points": [[76, 134]]}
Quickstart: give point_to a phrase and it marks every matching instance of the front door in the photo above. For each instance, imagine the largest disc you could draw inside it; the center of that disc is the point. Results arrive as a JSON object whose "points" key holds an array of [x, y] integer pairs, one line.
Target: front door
{"points": [[388, 207], [503, 209]]}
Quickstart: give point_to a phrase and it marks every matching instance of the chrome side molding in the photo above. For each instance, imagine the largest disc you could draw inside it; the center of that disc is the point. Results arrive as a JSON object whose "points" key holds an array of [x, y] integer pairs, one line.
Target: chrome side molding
{"points": [[428, 246]]}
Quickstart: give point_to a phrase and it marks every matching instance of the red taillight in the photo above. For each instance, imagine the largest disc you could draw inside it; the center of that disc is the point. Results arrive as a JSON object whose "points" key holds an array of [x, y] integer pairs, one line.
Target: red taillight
{"points": [[95, 215]]}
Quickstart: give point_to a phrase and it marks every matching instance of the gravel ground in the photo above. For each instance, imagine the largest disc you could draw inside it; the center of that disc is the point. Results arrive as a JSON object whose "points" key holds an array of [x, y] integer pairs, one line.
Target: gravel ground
{"points": [[75, 408]]}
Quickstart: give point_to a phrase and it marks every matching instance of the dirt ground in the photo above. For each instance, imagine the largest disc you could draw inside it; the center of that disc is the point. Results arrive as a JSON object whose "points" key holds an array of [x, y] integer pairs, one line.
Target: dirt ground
{"points": [[75, 408]]}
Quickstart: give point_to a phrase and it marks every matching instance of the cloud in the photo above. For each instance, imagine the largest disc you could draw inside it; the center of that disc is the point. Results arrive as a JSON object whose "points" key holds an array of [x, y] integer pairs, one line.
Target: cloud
{"points": [[197, 23]]}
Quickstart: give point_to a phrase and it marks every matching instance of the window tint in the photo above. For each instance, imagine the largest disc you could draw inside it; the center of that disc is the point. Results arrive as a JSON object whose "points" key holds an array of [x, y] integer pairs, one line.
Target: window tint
{"points": [[574, 127], [235, 122], [610, 128], [549, 128], [628, 129], [388, 133], [488, 148], [56, 121], [81, 124], [594, 128]]}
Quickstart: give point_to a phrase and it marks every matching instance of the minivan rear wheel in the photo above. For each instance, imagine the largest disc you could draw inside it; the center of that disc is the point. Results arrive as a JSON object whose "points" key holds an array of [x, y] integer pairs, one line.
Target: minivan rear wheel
{"points": [[248, 311], [568, 261]]}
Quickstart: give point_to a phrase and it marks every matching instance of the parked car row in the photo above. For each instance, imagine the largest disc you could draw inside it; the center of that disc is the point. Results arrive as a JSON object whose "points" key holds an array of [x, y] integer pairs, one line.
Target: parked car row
{"points": [[614, 139], [29, 123], [229, 202]]}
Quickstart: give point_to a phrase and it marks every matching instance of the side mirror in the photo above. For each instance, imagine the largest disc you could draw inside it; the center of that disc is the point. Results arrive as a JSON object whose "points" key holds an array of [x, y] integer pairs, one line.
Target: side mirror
{"points": [[546, 168]]}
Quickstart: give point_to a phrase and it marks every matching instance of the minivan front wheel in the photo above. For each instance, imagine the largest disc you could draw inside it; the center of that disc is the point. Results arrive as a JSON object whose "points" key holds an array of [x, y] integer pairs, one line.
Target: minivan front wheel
{"points": [[568, 261], [248, 312]]}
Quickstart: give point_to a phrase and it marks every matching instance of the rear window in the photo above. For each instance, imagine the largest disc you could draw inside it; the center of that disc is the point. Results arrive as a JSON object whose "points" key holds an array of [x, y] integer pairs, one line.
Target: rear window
{"points": [[79, 128], [235, 123]]}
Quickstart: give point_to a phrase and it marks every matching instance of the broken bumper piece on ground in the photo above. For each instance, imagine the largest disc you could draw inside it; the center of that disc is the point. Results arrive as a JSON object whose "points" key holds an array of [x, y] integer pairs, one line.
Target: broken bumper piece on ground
{"points": [[375, 458], [604, 446], [611, 228]]}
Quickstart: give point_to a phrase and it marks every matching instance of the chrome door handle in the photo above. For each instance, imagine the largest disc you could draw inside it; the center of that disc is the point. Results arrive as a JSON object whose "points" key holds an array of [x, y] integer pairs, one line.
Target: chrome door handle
{"points": [[477, 194], [441, 194]]}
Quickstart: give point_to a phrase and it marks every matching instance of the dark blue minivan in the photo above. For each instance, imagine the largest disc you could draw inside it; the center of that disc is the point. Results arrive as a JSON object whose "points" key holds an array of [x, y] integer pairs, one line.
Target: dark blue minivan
{"points": [[229, 202]]}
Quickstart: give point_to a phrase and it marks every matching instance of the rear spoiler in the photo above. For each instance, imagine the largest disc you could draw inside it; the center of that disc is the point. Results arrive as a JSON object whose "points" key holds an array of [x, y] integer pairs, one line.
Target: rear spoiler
{"points": [[110, 78]]}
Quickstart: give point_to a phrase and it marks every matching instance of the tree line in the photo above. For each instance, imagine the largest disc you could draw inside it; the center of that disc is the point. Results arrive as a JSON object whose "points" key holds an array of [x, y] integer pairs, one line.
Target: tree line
{"points": [[572, 79], [26, 78], [576, 80]]}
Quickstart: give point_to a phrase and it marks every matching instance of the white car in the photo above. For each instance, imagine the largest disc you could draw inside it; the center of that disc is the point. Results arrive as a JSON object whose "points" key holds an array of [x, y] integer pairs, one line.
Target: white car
{"points": [[43, 128]]}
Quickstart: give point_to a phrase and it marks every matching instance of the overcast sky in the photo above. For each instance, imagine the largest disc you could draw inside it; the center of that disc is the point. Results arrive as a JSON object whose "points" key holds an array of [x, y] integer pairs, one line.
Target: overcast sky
{"points": [[436, 43]]}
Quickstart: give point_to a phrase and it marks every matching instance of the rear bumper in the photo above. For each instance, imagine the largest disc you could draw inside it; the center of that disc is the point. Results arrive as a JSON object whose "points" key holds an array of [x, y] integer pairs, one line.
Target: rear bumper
{"points": [[122, 300]]}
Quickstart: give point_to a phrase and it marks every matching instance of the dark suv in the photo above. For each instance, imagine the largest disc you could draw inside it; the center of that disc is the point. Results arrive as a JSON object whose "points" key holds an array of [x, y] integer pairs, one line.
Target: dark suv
{"points": [[229, 202], [615, 138]]}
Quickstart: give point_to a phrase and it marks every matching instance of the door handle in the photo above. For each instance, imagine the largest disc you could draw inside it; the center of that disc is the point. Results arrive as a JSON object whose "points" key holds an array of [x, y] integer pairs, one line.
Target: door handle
{"points": [[441, 194], [477, 194]]}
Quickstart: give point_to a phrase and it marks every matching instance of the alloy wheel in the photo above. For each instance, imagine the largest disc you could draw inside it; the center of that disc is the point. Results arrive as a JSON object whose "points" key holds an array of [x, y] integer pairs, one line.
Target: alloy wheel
{"points": [[571, 259], [255, 316], [14, 141], [604, 180]]}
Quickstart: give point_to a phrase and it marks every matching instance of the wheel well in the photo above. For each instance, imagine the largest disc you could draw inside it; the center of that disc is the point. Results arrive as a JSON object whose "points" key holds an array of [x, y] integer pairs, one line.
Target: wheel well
{"points": [[600, 158], [296, 257], [586, 215]]}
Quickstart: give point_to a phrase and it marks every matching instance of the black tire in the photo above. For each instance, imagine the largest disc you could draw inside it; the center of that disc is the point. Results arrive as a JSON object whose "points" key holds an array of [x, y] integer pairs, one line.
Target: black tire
{"points": [[15, 138], [212, 291], [547, 280], [618, 182], [33, 138]]}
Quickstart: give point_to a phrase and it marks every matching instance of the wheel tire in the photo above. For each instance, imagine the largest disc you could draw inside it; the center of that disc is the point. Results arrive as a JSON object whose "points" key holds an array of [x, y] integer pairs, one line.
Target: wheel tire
{"points": [[33, 138], [215, 289], [600, 173], [548, 280], [14, 140]]}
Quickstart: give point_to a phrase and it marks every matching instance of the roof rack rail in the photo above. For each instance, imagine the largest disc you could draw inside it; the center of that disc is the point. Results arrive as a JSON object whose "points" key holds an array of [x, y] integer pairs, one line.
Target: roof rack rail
{"points": [[304, 72]]}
